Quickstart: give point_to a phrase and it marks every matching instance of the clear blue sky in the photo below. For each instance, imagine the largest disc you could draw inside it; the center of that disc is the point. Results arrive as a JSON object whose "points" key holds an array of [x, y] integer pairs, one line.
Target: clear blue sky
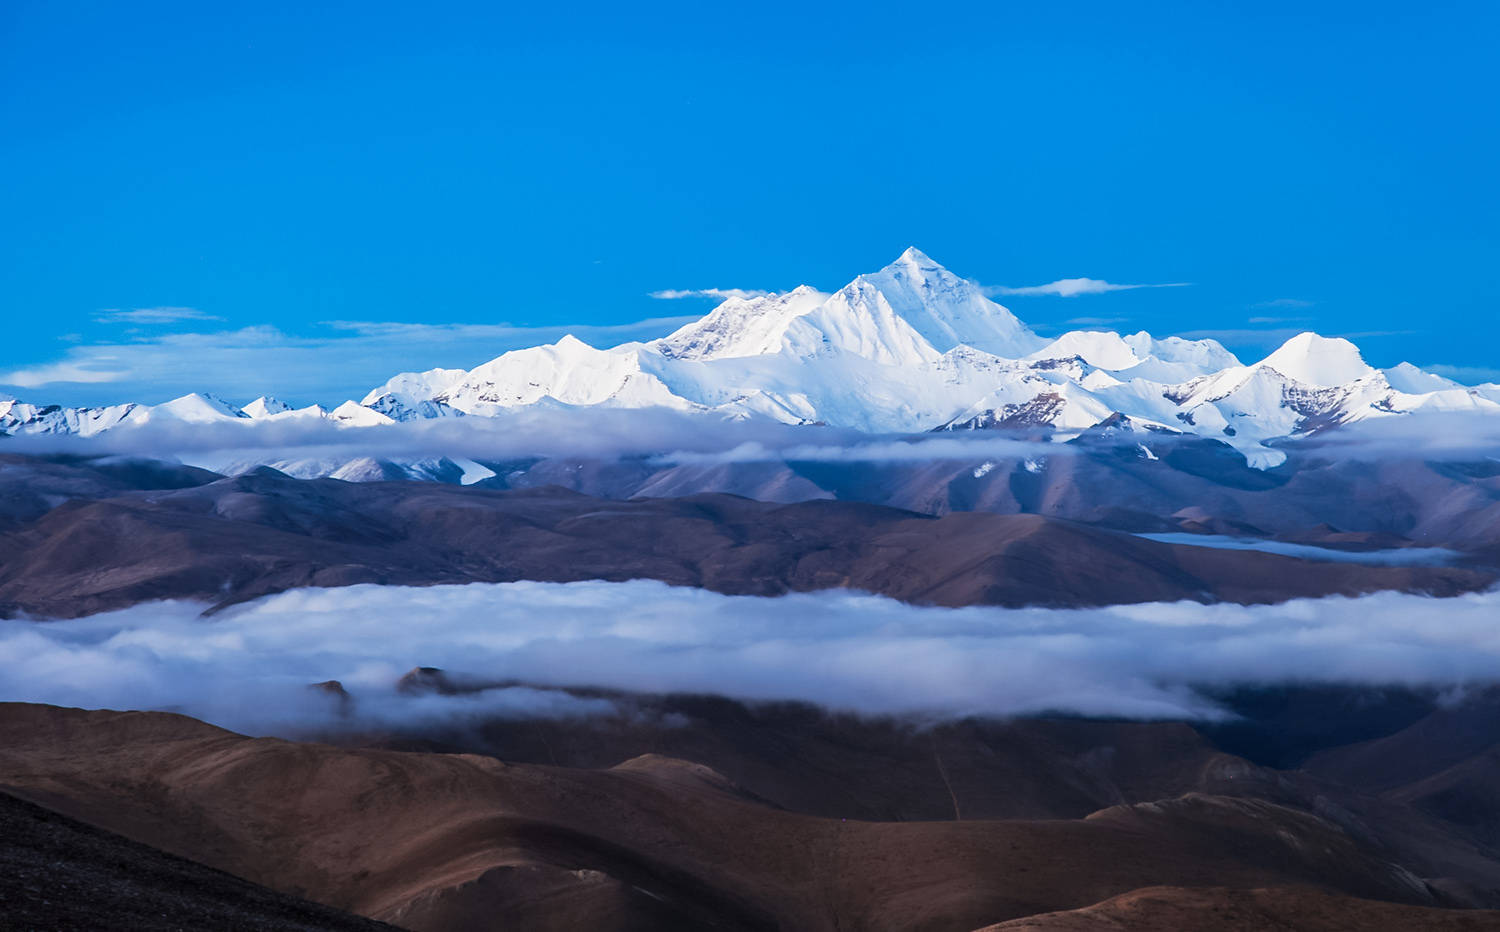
{"points": [[275, 167]]}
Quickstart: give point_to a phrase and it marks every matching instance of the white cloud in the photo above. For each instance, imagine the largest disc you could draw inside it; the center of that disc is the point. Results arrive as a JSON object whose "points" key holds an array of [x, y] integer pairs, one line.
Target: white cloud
{"points": [[662, 436], [1095, 321], [248, 667], [346, 362], [449, 333], [1244, 336], [1468, 375], [1284, 303], [844, 449], [1073, 287], [85, 370], [152, 315], [718, 294]]}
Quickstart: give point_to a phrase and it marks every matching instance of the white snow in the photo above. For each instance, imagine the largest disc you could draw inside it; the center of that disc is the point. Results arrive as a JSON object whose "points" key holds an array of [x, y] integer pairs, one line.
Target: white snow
{"points": [[909, 348], [198, 408], [1095, 347], [741, 326], [264, 407], [1322, 362], [1407, 378]]}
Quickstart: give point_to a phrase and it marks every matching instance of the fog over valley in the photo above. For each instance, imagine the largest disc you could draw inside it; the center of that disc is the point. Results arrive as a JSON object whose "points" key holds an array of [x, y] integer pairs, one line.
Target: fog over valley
{"points": [[249, 667]]}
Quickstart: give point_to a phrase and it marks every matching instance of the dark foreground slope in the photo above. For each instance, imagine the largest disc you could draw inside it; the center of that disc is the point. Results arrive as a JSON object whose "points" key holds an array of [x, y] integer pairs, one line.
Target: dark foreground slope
{"points": [[229, 540], [452, 841], [58, 873], [1216, 909]]}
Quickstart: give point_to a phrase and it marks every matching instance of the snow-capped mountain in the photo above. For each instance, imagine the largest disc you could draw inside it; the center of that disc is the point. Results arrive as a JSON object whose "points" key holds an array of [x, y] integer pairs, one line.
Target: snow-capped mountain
{"points": [[909, 348]]}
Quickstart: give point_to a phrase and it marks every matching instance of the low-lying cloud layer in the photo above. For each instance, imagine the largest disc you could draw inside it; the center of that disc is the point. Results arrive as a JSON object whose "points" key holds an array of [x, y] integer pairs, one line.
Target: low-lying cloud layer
{"points": [[667, 437], [663, 435], [249, 668]]}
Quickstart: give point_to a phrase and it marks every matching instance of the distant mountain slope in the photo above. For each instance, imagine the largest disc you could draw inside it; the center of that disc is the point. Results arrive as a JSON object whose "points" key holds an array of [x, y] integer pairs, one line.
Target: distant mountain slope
{"points": [[230, 540]]}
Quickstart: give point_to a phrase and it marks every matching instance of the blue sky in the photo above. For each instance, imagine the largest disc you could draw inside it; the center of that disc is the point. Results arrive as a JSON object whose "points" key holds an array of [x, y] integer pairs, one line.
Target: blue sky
{"points": [[303, 181]]}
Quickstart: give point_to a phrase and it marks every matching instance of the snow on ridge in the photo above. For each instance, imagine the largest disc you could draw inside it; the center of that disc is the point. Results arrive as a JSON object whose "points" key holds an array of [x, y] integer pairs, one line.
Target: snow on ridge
{"points": [[911, 347], [1322, 362]]}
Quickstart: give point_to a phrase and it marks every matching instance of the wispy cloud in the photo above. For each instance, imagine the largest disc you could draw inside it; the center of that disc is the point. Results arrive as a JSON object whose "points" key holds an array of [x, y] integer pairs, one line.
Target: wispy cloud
{"points": [[1263, 321], [1243, 336], [345, 361], [1095, 321], [1284, 303], [1468, 375], [142, 316], [444, 333], [1272, 337], [88, 371], [718, 294], [1073, 287]]}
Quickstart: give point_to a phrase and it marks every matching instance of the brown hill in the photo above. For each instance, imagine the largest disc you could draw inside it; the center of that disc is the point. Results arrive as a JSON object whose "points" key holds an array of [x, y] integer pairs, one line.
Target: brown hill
{"points": [[1215, 909], [445, 841], [236, 539], [58, 873]]}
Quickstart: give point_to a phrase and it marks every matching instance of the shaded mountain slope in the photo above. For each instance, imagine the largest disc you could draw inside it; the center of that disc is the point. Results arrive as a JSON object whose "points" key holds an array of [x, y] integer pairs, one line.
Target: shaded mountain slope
{"points": [[58, 873], [236, 539], [1191, 484]]}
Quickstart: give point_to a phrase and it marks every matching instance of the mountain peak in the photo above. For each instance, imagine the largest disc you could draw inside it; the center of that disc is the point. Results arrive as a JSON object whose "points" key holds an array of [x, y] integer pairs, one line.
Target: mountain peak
{"points": [[915, 256], [1320, 361], [572, 344], [198, 407], [266, 406], [741, 326], [942, 308]]}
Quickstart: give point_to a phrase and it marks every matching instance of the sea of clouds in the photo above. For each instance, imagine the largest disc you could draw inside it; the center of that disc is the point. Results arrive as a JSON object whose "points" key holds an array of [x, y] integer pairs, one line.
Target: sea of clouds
{"points": [[665, 437], [248, 668], [660, 435]]}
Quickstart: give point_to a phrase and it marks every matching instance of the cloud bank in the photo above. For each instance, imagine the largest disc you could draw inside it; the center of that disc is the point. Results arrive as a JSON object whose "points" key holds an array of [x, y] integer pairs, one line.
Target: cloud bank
{"points": [[664, 436], [248, 668]]}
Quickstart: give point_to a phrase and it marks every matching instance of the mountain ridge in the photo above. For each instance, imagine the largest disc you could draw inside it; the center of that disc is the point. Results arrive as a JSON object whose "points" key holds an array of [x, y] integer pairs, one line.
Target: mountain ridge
{"points": [[908, 349]]}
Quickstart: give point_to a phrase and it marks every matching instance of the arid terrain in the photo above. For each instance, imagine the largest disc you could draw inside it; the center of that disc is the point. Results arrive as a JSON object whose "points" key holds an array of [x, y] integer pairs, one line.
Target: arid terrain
{"points": [[1303, 806], [85, 537], [1040, 824]]}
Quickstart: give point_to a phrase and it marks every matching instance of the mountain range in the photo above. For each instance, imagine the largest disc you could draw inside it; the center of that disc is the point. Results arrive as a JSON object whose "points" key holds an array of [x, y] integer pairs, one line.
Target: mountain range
{"points": [[911, 348], [954, 461]]}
